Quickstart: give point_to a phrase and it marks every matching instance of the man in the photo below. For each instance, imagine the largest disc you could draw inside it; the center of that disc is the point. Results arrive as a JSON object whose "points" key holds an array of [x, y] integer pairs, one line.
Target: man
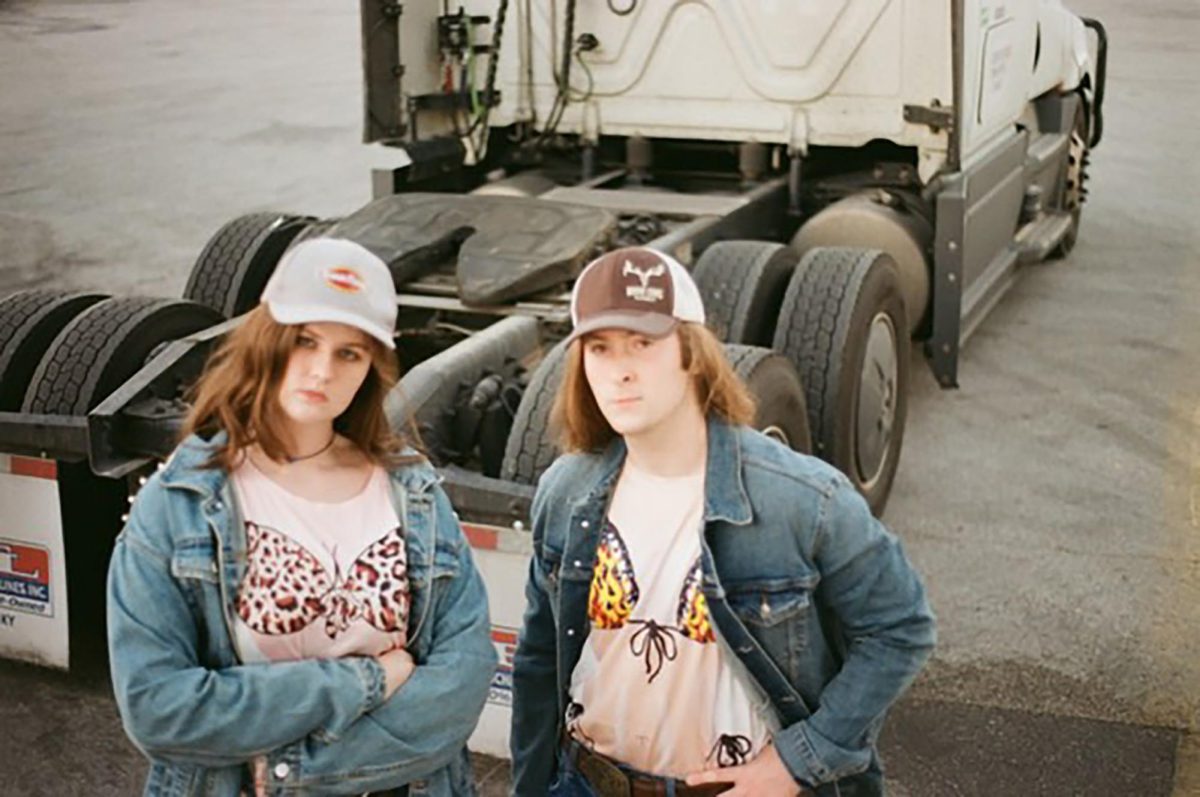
{"points": [[708, 611]]}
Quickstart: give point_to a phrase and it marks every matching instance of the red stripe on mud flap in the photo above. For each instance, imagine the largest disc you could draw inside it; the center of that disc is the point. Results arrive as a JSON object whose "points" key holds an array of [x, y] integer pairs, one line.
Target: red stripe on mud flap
{"points": [[32, 466], [504, 636], [481, 537]]}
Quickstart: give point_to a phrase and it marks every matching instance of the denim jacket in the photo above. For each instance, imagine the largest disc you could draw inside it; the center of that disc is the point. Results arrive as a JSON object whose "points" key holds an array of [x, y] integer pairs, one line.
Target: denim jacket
{"points": [[810, 591], [199, 714]]}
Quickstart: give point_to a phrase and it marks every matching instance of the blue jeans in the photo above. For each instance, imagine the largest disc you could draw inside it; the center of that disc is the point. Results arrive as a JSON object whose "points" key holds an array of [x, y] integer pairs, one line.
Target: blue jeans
{"points": [[570, 782]]}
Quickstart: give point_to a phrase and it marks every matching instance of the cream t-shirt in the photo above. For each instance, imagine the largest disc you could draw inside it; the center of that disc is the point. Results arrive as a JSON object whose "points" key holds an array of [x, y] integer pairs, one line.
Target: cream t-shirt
{"points": [[653, 688], [323, 580]]}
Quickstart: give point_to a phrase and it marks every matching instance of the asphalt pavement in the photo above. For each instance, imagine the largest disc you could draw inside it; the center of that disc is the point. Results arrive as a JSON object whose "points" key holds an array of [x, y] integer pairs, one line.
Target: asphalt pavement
{"points": [[1052, 501]]}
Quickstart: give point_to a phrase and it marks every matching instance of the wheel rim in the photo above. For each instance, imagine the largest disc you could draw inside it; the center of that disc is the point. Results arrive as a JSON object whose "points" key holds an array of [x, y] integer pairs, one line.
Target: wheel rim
{"points": [[777, 433], [876, 400], [1076, 164]]}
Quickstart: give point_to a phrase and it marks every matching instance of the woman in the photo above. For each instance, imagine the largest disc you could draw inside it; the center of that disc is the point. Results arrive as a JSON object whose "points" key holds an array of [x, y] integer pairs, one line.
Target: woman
{"points": [[292, 607]]}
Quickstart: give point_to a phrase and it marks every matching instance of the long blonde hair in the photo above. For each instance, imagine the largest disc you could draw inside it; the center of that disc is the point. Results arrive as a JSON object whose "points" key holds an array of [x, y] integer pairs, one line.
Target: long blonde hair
{"points": [[238, 393], [581, 425]]}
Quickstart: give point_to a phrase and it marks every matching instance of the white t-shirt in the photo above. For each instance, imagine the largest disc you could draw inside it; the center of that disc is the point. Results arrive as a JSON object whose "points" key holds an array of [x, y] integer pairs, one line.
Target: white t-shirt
{"points": [[653, 688], [323, 580]]}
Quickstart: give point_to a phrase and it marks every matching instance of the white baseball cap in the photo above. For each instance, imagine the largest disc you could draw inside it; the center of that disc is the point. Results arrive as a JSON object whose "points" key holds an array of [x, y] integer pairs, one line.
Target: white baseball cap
{"points": [[635, 288], [333, 279]]}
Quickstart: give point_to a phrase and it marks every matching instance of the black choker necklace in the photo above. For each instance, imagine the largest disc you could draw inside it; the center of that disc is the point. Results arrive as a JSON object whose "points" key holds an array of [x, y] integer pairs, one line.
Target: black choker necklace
{"points": [[318, 453]]}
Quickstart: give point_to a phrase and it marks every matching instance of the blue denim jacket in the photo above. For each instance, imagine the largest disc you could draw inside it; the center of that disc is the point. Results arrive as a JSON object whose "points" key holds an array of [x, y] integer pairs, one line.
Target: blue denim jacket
{"points": [[200, 715], [834, 623]]}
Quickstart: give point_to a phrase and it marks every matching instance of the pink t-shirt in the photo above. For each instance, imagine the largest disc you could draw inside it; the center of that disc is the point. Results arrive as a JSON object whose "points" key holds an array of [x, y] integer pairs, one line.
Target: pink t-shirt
{"points": [[654, 688], [323, 580]]}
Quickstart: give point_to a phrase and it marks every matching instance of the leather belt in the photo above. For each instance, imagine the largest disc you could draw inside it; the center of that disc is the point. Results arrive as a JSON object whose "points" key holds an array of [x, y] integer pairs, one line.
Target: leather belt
{"points": [[609, 780]]}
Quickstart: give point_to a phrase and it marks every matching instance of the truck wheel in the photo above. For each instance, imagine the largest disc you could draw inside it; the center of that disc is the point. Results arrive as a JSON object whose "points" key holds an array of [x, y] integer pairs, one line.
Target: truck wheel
{"points": [[1074, 176], [775, 384], [843, 323], [530, 448], [235, 264], [29, 322], [105, 345], [742, 284]]}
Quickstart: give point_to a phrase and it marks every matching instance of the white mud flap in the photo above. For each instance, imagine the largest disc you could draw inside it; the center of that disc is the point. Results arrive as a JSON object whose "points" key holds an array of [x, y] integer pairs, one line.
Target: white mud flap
{"points": [[33, 574], [502, 556]]}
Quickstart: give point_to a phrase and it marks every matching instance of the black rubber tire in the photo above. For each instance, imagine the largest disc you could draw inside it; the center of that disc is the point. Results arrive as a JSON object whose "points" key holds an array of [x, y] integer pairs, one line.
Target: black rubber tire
{"points": [[775, 384], [237, 261], [530, 448], [742, 284], [29, 322], [104, 346], [832, 301]]}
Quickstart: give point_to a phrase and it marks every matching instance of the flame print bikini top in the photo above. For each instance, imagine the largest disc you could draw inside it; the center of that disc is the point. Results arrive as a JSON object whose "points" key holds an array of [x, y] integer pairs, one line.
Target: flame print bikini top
{"points": [[652, 689]]}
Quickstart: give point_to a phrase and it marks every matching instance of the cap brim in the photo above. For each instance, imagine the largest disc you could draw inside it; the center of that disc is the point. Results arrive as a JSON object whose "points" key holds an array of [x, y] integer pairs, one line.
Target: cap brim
{"points": [[652, 325], [316, 314]]}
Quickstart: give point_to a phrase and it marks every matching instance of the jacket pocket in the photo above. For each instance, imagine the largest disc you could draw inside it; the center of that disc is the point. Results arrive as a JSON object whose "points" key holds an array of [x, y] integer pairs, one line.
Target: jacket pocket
{"points": [[422, 567], [195, 558], [551, 563], [768, 604], [778, 615], [196, 569], [454, 780], [446, 560]]}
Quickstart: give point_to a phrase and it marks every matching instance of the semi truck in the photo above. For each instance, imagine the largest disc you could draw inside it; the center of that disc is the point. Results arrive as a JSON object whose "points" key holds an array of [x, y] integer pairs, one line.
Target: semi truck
{"points": [[849, 182]]}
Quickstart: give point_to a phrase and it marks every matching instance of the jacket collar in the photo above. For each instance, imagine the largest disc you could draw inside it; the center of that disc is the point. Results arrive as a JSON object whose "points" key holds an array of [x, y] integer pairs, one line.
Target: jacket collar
{"points": [[725, 495], [724, 489], [186, 469]]}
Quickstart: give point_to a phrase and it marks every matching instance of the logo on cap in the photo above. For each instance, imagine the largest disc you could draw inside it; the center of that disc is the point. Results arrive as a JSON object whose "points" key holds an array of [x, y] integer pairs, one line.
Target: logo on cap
{"points": [[644, 292], [344, 279]]}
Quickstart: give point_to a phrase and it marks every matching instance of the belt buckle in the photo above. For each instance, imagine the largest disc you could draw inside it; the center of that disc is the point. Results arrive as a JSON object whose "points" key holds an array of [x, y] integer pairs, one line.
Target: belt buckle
{"points": [[605, 777]]}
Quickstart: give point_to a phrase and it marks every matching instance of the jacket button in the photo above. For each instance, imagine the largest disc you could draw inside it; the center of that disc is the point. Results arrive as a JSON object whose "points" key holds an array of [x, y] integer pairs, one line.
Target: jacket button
{"points": [[570, 632], [584, 524], [282, 770], [578, 563]]}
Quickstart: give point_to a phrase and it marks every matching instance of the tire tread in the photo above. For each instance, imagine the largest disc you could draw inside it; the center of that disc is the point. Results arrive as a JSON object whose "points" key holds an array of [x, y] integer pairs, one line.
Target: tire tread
{"points": [[814, 323], [530, 450]]}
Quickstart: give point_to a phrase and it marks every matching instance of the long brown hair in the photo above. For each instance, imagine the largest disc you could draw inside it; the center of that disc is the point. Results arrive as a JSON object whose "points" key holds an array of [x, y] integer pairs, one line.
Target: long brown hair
{"points": [[238, 393], [581, 425]]}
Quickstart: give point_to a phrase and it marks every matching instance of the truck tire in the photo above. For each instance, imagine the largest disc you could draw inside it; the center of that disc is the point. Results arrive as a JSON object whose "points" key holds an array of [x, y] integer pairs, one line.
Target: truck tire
{"points": [[29, 322], [237, 261], [530, 448], [105, 345], [775, 383], [843, 323], [742, 284]]}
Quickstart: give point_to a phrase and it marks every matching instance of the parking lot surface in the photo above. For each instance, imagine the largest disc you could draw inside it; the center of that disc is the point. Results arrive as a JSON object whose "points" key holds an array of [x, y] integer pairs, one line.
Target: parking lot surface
{"points": [[1052, 502]]}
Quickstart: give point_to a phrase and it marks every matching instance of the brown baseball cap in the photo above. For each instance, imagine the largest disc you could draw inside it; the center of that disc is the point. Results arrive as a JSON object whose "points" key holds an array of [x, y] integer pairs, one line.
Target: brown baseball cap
{"points": [[635, 288]]}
